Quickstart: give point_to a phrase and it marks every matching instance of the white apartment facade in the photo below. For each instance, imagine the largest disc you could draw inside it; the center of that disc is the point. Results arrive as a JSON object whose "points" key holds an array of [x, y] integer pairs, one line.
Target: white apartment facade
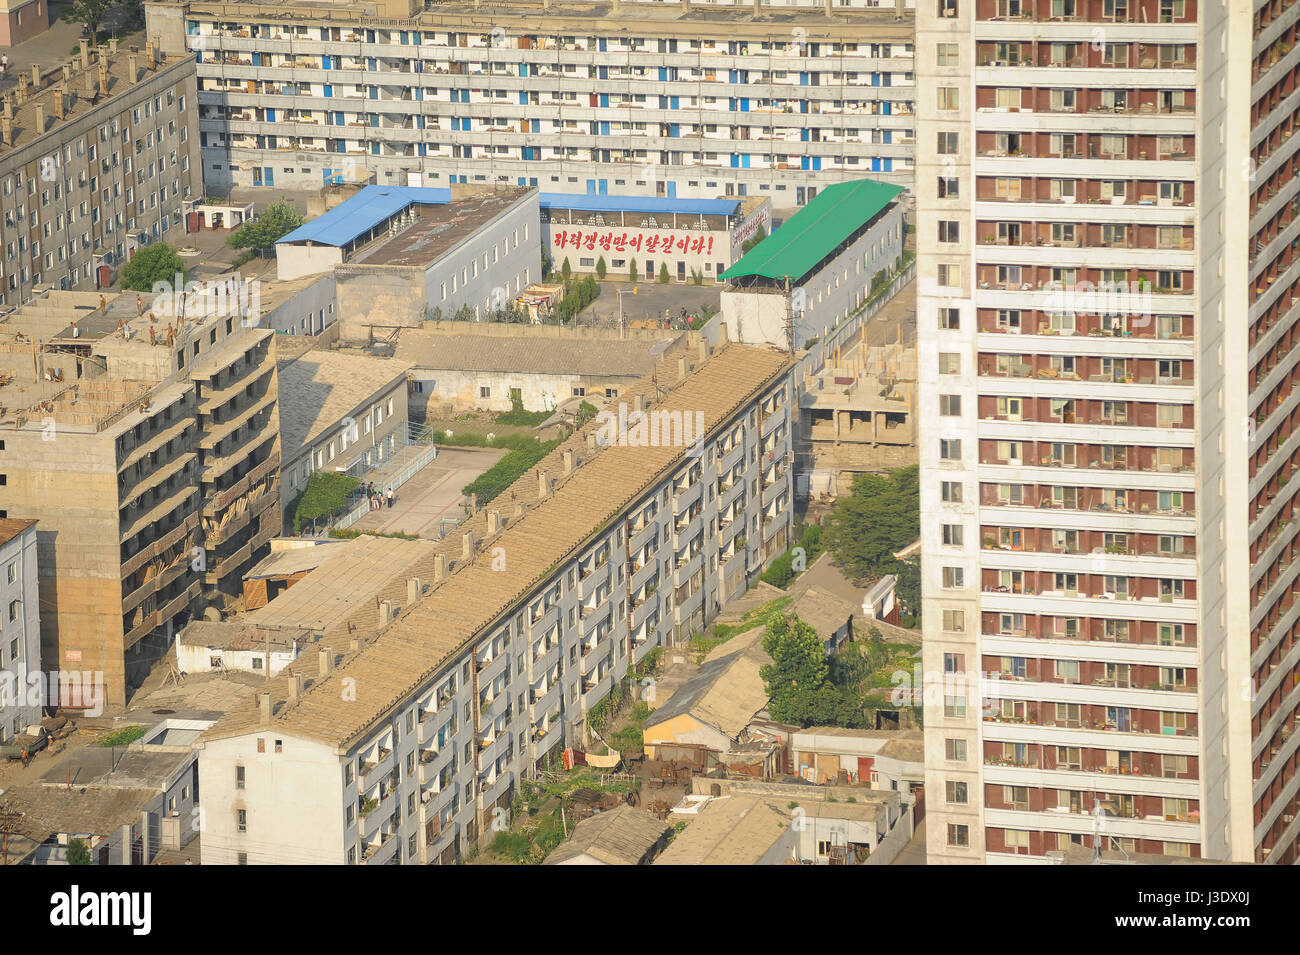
{"points": [[20, 627], [633, 98], [1105, 201]]}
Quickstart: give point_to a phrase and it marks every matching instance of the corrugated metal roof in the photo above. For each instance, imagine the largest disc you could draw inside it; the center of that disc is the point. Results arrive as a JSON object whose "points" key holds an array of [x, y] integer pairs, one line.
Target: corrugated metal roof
{"points": [[815, 230], [369, 207], [585, 202]]}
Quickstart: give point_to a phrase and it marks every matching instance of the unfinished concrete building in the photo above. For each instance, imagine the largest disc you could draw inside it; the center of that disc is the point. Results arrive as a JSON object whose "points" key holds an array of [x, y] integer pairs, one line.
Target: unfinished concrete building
{"points": [[98, 158], [858, 415], [149, 453]]}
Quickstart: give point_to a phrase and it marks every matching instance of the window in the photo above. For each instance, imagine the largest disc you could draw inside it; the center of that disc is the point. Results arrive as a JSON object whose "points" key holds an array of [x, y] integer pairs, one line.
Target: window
{"points": [[484, 391], [955, 792], [949, 318], [950, 491], [958, 835], [950, 405], [949, 363], [947, 145], [241, 819], [946, 54], [954, 706], [239, 777], [949, 98], [955, 750], [953, 578], [949, 275], [948, 187], [952, 535], [949, 231]]}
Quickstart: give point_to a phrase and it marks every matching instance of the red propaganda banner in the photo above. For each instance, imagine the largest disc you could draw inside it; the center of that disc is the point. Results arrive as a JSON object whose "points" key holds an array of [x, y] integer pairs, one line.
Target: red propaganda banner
{"points": [[620, 242]]}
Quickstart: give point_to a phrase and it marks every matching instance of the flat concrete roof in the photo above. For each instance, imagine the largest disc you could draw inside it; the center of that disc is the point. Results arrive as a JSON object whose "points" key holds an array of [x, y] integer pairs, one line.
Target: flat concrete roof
{"points": [[439, 229]]}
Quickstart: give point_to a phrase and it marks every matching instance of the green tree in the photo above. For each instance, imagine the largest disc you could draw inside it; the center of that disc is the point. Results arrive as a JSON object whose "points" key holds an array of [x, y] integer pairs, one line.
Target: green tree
{"points": [[88, 12], [325, 493], [275, 221], [753, 240], [631, 270], [152, 264], [881, 515], [798, 678], [78, 853], [548, 263], [566, 270], [663, 273], [600, 268]]}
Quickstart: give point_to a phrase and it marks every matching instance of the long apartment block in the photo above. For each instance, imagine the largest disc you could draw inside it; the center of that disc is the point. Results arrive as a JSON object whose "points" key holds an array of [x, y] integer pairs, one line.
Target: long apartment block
{"points": [[149, 454], [1106, 197], [397, 747], [625, 98], [97, 158]]}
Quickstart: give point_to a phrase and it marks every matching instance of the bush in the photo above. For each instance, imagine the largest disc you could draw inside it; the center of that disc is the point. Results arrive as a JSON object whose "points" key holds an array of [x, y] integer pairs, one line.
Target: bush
{"points": [[663, 273], [509, 469], [325, 493], [566, 270], [631, 270], [274, 222], [600, 268], [78, 853], [123, 737]]}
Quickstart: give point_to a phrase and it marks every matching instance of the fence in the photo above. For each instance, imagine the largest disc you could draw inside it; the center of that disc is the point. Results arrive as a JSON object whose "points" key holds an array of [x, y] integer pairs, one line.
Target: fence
{"points": [[411, 453]]}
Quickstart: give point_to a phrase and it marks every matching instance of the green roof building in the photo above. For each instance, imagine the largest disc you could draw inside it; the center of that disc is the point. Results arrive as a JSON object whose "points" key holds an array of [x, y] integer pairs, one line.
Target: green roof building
{"points": [[816, 270]]}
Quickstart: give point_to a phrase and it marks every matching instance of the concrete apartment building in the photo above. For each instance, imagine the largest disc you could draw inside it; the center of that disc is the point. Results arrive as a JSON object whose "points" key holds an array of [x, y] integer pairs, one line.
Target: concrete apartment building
{"points": [[151, 461], [399, 751], [339, 412], [20, 627], [97, 158], [627, 98], [807, 278], [1106, 322]]}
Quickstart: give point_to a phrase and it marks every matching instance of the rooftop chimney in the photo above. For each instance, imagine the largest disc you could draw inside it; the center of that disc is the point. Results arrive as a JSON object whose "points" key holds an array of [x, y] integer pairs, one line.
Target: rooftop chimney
{"points": [[439, 566], [112, 44], [67, 72], [591, 442], [543, 484], [638, 402], [20, 95], [467, 546], [704, 350], [520, 507], [150, 55], [354, 644], [494, 521], [36, 76], [40, 119], [326, 661], [568, 463], [85, 58], [103, 77], [133, 67], [414, 589], [682, 369], [296, 684], [473, 503], [7, 130], [58, 103], [385, 612], [265, 707]]}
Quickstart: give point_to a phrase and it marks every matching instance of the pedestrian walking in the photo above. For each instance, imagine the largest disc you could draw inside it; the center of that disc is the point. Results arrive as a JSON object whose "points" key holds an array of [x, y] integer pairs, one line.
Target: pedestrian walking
{"points": [[390, 497]]}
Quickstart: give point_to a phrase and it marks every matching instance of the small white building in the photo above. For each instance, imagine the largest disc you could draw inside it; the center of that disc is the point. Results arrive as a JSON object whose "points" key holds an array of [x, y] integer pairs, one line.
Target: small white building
{"points": [[205, 646], [817, 269]]}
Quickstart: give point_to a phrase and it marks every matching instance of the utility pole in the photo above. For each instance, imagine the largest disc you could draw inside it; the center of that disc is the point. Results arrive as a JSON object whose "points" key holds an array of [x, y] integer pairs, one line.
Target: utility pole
{"points": [[8, 824], [789, 318]]}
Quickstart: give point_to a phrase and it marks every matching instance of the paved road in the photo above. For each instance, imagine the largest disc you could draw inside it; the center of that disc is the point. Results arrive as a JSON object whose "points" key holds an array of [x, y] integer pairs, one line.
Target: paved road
{"points": [[432, 494]]}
